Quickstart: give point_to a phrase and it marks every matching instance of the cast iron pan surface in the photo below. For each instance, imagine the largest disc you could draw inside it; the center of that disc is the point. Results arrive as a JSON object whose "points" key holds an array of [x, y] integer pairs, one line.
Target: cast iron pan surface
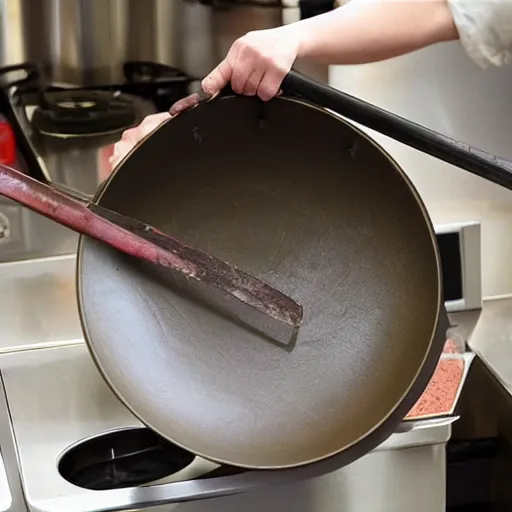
{"points": [[303, 200]]}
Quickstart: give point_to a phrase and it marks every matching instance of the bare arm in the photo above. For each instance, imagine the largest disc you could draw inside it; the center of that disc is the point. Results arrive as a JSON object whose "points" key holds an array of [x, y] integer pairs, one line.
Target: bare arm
{"points": [[359, 32], [371, 30]]}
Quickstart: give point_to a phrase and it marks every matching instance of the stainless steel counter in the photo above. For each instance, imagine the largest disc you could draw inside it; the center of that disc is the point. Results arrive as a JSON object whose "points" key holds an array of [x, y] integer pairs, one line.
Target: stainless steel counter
{"points": [[38, 304], [491, 338]]}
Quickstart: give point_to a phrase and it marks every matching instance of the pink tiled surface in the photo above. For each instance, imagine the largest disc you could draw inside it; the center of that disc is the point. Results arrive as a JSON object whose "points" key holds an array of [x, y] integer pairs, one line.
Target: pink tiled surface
{"points": [[439, 396]]}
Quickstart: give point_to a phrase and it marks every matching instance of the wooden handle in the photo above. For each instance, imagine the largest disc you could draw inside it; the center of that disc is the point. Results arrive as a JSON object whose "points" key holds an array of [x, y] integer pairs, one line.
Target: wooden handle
{"points": [[282, 316], [485, 165], [75, 215]]}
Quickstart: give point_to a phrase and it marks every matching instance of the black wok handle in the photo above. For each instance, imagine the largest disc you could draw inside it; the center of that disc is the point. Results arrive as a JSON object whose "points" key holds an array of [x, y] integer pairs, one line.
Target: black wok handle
{"points": [[485, 165]]}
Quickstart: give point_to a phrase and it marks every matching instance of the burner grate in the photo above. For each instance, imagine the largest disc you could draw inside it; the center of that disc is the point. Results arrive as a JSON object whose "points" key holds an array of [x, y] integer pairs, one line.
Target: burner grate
{"points": [[83, 112]]}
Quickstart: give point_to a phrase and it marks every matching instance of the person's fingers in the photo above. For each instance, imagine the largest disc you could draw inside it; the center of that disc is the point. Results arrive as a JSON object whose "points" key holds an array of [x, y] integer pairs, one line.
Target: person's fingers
{"points": [[131, 137], [242, 70], [152, 122], [184, 104], [270, 84], [219, 77], [211, 85], [148, 124], [253, 82], [121, 149]]}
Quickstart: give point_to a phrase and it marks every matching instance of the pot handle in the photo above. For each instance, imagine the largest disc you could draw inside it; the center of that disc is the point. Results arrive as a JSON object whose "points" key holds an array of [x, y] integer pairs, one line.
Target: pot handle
{"points": [[31, 75], [475, 161]]}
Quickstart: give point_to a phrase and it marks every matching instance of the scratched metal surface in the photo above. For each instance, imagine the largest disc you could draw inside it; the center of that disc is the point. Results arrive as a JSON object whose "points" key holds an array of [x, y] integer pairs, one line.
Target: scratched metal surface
{"points": [[302, 200]]}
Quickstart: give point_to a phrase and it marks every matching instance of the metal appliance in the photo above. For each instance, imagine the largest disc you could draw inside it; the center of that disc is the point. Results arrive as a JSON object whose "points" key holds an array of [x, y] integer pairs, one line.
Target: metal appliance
{"points": [[72, 130], [460, 247], [22, 233], [5, 492], [86, 42], [65, 136], [81, 42]]}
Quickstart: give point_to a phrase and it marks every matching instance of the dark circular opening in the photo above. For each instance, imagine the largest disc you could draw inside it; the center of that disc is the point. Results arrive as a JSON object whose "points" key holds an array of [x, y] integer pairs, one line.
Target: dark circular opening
{"points": [[123, 458]]}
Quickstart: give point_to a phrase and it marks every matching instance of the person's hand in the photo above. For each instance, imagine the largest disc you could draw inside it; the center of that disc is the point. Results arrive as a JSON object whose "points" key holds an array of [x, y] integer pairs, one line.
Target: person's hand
{"points": [[256, 63], [133, 136]]}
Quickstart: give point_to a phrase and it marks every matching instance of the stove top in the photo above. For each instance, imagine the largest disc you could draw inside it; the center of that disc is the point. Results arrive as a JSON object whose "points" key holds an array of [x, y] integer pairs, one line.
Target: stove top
{"points": [[74, 437], [57, 399], [67, 132]]}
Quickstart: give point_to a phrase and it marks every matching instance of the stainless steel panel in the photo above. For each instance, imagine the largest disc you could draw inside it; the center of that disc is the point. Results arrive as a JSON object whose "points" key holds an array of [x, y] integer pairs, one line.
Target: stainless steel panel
{"points": [[89, 40], [396, 481], [28, 235], [8, 456], [21, 32], [38, 304]]}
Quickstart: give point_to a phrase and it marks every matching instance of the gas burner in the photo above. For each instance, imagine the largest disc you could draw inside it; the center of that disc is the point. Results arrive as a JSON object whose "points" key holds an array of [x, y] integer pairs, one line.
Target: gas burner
{"points": [[83, 112], [123, 458]]}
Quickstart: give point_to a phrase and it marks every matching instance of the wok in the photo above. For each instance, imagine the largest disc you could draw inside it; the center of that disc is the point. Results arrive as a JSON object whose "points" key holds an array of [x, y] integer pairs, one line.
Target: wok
{"points": [[303, 200]]}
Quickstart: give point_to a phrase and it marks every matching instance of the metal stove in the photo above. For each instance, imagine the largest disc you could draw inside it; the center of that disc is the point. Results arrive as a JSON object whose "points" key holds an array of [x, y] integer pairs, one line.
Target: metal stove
{"points": [[71, 130]]}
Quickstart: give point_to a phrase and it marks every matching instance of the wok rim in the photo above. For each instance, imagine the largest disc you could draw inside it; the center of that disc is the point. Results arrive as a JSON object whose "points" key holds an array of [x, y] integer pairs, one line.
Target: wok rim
{"points": [[382, 430]]}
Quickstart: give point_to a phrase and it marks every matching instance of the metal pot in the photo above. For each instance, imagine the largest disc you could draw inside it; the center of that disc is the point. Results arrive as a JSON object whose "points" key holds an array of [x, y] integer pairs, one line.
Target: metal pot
{"points": [[90, 40], [303, 200], [86, 42]]}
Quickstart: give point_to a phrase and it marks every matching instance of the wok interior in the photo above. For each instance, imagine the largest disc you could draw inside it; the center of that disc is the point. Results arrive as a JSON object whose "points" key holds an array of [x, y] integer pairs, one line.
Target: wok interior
{"points": [[300, 199]]}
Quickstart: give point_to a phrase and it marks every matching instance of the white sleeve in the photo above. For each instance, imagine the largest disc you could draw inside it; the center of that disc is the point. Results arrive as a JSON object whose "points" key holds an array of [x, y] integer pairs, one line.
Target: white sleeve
{"points": [[485, 29]]}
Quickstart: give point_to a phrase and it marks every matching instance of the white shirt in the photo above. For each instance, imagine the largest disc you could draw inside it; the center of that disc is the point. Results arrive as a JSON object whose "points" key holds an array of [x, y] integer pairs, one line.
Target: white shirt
{"points": [[485, 29]]}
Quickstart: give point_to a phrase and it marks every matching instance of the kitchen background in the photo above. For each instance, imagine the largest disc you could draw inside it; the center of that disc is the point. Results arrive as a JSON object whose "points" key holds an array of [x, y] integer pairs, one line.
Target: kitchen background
{"points": [[86, 42], [439, 87]]}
